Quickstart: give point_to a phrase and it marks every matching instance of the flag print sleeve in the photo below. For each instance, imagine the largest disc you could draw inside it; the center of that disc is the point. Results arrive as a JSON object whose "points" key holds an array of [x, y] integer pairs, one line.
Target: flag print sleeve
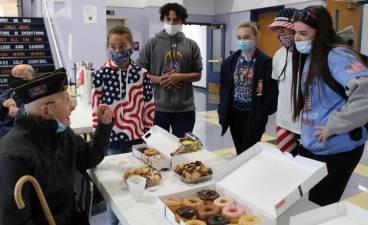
{"points": [[149, 105], [97, 81], [345, 65]]}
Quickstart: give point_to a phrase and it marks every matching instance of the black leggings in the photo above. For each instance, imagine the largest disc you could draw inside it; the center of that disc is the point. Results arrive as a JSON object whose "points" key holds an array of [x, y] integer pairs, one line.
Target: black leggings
{"points": [[340, 167]]}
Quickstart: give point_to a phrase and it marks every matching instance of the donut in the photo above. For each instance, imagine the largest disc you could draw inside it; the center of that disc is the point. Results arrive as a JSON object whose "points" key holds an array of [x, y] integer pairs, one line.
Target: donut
{"points": [[150, 152], [249, 220], [195, 222], [222, 201], [217, 220], [233, 212], [173, 204], [205, 211], [186, 213], [208, 195], [193, 201]]}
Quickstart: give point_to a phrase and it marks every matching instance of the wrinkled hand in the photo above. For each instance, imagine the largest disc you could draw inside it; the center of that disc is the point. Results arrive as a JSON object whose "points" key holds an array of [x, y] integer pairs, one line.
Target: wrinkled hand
{"points": [[104, 114], [321, 133], [171, 80], [9, 103], [13, 111]]}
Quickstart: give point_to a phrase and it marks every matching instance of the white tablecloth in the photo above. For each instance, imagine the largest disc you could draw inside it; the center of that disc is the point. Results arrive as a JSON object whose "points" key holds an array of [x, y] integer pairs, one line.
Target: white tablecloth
{"points": [[107, 178]]}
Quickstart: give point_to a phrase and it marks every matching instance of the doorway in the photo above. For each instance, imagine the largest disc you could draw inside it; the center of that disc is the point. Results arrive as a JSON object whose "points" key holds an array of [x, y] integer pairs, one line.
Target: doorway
{"points": [[211, 42], [198, 33], [345, 14], [268, 41]]}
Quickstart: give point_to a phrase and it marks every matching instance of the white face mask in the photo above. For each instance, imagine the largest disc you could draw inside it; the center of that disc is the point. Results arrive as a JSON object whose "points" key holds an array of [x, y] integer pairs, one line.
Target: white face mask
{"points": [[172, 29]]}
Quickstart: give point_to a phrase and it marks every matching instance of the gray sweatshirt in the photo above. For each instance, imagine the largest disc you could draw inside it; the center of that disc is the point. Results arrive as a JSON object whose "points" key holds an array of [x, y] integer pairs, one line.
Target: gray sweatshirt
{"points": [[164, 52], [355, 112]]}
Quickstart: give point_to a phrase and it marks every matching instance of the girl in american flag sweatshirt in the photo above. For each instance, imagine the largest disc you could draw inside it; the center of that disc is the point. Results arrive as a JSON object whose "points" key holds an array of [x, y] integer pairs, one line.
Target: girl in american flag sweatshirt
{"points": [[125, 87]]}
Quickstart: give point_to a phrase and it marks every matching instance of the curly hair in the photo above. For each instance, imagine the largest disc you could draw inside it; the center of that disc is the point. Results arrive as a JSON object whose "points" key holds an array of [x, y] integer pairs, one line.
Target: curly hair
{"points": [[181, 12]]}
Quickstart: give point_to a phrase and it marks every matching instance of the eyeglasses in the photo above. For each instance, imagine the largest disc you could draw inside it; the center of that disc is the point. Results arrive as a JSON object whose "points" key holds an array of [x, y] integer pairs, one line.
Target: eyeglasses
{"points": [[303, 15]]}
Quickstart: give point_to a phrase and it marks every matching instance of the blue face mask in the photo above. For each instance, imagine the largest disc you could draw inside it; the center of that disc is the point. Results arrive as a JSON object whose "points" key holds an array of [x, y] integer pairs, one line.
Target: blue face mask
{"points": [[61, 127], [245, 45], [304, 47], [120, 57]]}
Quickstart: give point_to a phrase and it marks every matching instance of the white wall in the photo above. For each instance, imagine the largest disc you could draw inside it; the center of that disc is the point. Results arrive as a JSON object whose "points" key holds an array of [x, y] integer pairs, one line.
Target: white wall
{"points": [[198, 33], [139, 3], [201, 7], [364, 42], [226, 6]]}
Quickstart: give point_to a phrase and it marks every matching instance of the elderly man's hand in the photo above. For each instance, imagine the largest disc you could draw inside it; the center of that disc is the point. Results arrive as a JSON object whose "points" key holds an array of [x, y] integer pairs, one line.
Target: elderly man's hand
{"points": [[9, 103], [13, 111], [104, 114]]}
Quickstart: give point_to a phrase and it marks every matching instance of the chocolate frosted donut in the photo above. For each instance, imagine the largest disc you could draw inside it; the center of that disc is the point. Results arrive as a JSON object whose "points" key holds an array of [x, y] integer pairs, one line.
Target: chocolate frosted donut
{"points": [[217, 220], [187, 212], [208, 195], [205, 211]]}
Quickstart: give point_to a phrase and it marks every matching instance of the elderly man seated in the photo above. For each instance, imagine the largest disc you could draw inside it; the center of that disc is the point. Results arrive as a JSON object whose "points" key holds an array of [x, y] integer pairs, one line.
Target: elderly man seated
{"points": [[10, 104], [42, 145]]}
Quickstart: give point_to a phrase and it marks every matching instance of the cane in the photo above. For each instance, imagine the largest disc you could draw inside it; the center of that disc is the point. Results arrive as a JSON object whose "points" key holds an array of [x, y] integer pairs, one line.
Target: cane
{"points": [[19, 199]]}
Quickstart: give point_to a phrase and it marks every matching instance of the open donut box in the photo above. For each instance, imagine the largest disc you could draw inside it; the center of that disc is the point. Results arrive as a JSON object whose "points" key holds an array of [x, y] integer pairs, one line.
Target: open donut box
{"points": [[161, 140], [340, 213], [263, 180]]}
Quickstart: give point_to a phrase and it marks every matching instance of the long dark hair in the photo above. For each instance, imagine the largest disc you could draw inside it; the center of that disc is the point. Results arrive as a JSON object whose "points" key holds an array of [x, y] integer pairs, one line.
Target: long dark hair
{"points": [[325, 39]]}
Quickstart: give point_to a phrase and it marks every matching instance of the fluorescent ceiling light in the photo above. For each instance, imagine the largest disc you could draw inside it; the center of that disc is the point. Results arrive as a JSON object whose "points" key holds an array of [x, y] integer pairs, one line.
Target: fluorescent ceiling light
{"points": [[1, 11]]}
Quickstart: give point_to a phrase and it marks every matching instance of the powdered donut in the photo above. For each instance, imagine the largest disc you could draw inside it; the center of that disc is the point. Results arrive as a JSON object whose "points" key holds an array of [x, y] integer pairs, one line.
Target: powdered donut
{"points": [[222, 201]]}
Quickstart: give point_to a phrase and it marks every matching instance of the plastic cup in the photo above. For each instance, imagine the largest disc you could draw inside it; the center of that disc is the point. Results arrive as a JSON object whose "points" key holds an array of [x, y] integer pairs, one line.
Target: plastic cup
{"points": [[136, 185]]}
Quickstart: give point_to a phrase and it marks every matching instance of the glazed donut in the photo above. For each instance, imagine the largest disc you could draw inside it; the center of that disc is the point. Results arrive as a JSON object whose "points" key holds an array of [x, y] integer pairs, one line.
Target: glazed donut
{"points": [[186, 213], [222, 201], [195, 222], [193, 201], [217, 220], [233, 212], [173, 204], [150, 152], [249, 220], [205, 211], [208, 195]]}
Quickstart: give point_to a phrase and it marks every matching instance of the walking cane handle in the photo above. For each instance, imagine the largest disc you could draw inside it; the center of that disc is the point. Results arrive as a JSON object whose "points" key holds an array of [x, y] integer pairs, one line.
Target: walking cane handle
{"points": [[19, 199]]}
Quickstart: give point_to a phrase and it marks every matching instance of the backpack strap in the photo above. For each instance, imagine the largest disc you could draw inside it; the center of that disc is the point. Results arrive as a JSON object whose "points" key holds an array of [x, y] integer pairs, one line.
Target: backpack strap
{"points": [[355, 134]]}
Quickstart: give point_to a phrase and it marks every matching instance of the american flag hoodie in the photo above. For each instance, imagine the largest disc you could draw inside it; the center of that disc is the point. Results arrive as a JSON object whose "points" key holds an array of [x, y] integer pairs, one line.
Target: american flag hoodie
{"points": [[128, 92]]}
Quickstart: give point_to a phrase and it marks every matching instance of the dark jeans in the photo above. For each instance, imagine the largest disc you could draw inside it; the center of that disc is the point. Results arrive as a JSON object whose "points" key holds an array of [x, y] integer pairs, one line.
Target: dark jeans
{"points": [[238, 128], [180, 123], [340, 167]]}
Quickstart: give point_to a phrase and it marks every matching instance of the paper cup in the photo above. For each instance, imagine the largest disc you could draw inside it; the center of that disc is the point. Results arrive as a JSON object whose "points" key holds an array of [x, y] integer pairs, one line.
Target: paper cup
{"points": [[136, 185]]}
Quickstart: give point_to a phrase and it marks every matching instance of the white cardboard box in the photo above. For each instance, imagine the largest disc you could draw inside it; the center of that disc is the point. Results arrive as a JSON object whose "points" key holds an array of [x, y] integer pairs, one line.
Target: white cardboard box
{"points": [[264, 180], [160, 140], [340, 213]]}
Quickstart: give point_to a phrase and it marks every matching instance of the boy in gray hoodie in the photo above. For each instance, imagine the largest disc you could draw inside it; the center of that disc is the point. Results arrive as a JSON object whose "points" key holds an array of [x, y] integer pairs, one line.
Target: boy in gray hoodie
{"points": [[174, 62]]}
